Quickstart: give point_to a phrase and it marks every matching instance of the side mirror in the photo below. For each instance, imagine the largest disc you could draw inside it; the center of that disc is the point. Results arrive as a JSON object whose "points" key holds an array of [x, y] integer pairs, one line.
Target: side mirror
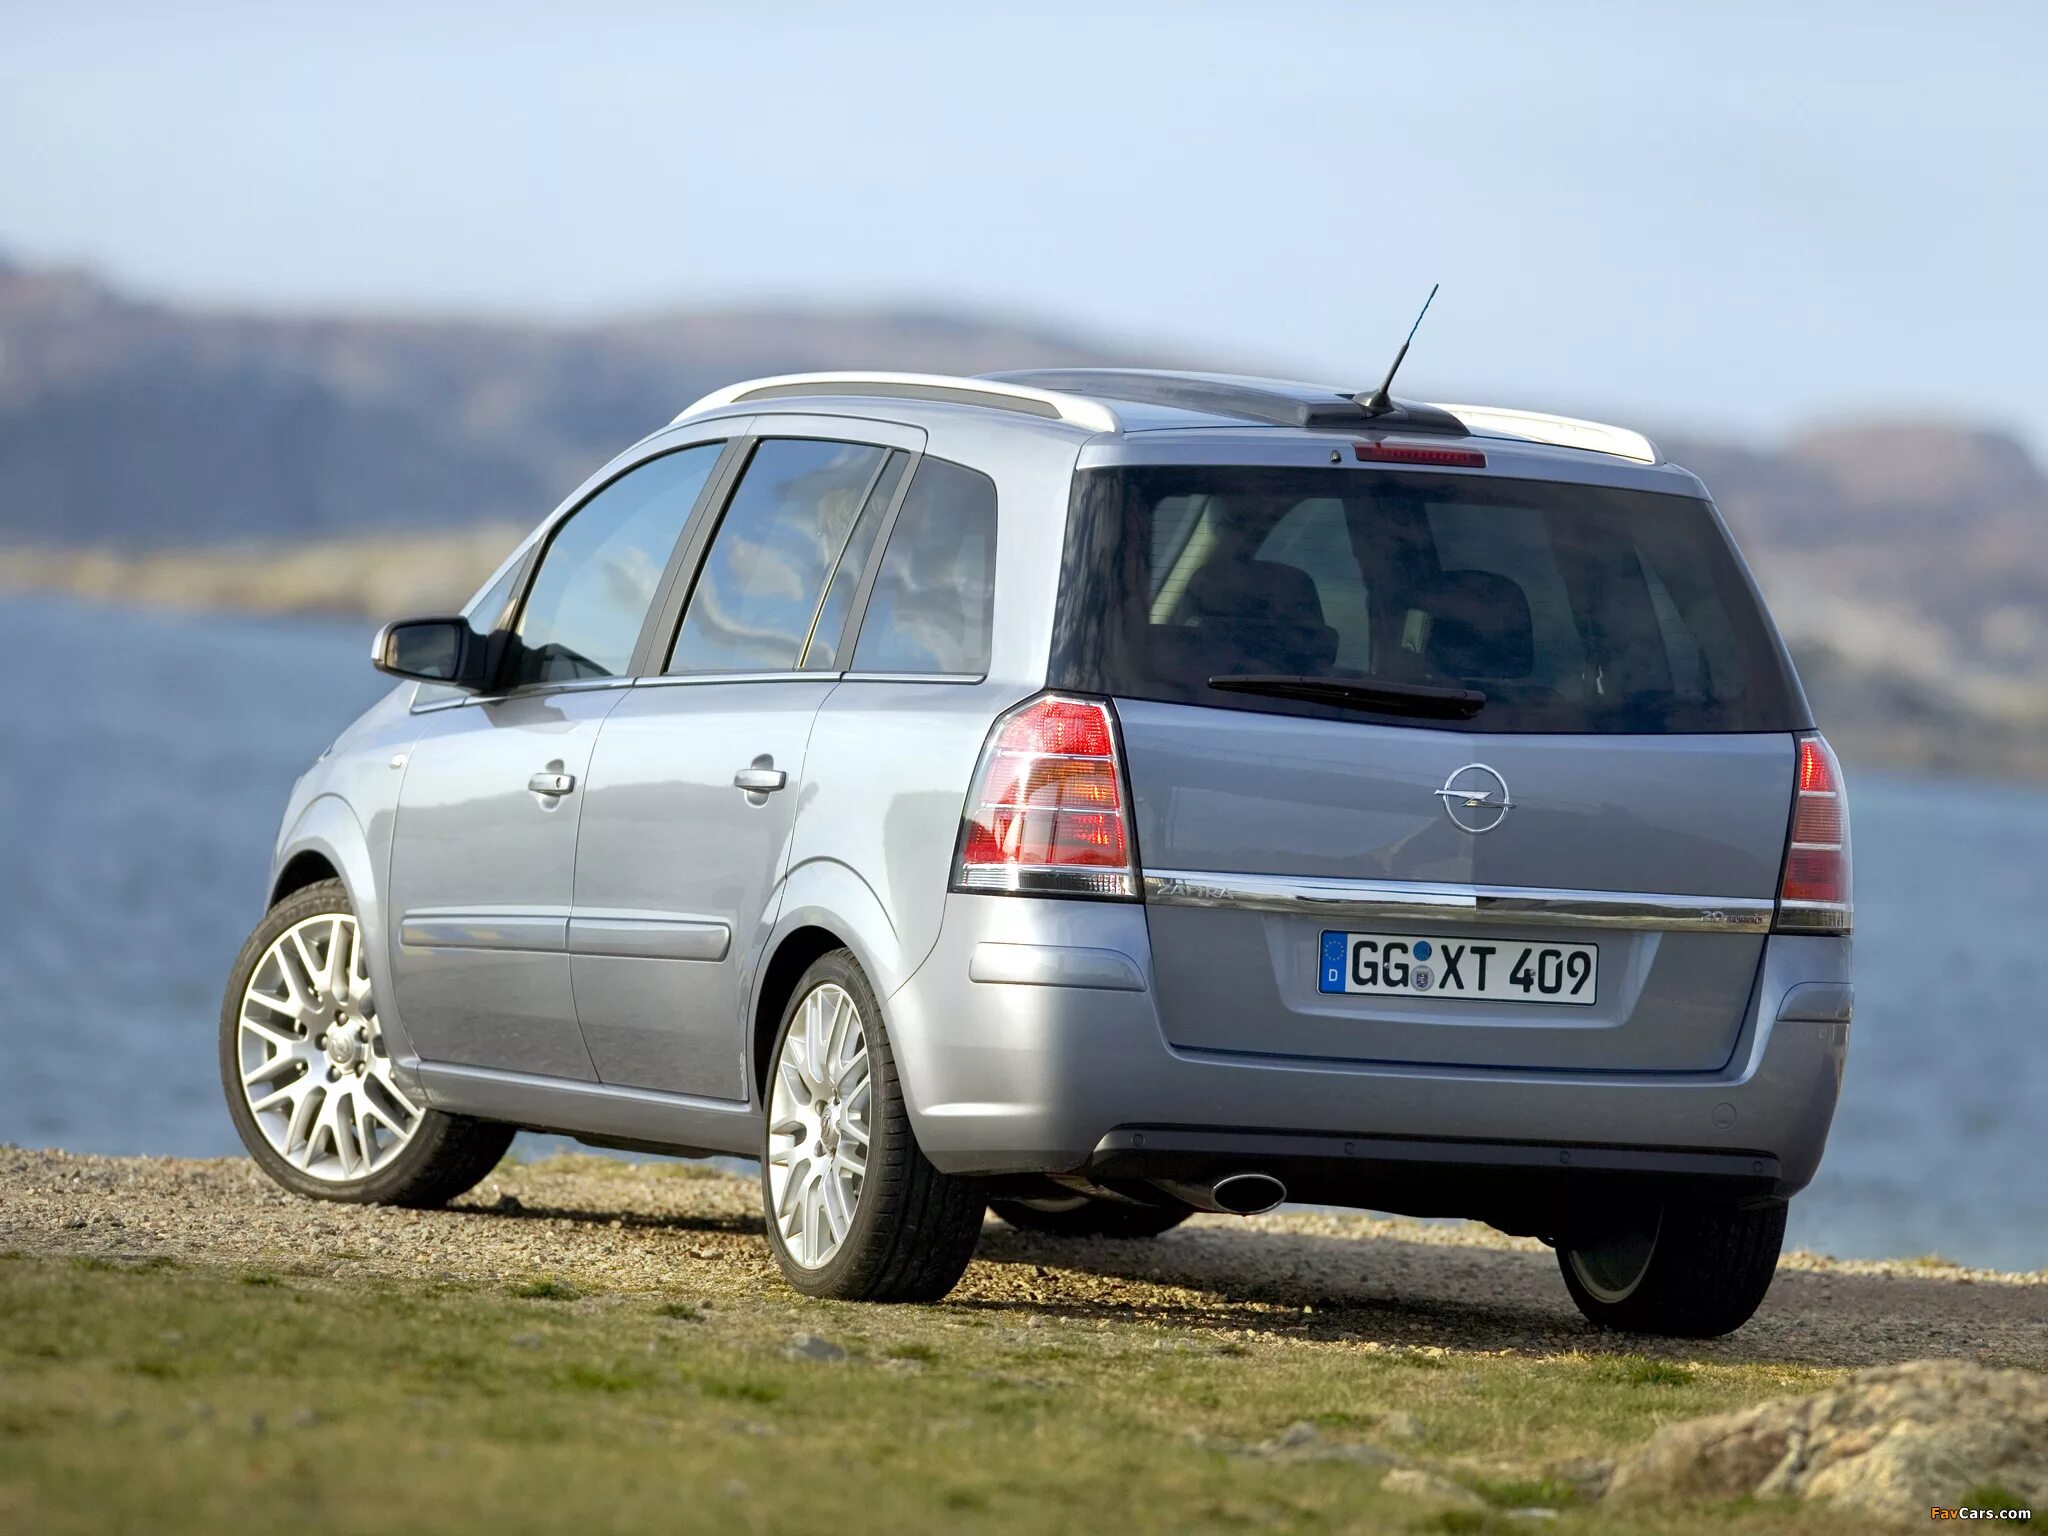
{"points": [[443, 651]]}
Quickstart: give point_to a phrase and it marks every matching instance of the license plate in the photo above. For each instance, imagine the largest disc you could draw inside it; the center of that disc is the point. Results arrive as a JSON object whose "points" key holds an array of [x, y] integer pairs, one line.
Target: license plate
{"points": [[1482, 970]]}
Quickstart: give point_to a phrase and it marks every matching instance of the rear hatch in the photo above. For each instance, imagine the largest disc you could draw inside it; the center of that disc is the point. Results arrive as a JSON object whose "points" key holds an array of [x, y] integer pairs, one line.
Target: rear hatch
{"points": [[1446, 767]]}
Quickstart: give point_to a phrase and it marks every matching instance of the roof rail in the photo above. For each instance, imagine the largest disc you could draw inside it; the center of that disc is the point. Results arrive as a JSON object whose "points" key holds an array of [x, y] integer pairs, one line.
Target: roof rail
{"points": [[1275, 402], [989, 394], [1559, 431]]}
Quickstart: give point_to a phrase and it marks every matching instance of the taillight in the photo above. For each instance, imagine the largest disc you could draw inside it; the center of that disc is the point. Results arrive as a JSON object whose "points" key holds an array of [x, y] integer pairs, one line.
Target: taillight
{"points": [[1814, 895], [1047, 813]]}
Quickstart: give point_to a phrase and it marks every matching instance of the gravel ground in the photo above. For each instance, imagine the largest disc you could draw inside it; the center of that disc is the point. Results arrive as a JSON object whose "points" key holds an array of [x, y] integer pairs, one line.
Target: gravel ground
{"points": [[621, 1227]]}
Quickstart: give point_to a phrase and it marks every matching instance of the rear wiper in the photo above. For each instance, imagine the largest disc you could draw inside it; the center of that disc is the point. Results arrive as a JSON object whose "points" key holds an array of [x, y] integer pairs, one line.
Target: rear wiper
{"points": [[1361, 693]]}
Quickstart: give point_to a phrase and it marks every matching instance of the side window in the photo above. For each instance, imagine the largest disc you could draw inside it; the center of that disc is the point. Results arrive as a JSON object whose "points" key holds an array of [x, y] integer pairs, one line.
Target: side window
{"points": [[756, 597], [823, 654], [932, 607], [597, 579], [1183, 537], [1315, 538], [486, 611], [1515, 543], [1681, 650]]}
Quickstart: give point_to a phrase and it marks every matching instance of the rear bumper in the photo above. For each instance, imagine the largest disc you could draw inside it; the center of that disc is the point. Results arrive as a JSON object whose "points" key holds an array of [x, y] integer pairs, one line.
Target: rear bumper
{"points": [[1055, 1062], [1522, 1186]]}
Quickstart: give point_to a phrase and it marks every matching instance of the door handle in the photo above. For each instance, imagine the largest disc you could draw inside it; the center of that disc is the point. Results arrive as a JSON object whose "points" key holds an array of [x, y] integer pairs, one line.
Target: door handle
{"points": [[551, 783], [759, 781]]}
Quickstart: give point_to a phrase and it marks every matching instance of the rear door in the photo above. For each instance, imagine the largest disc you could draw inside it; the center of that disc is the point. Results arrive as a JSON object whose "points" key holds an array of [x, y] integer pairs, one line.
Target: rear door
{"points": [[695, 783], [1601, 835], [483, 850]]}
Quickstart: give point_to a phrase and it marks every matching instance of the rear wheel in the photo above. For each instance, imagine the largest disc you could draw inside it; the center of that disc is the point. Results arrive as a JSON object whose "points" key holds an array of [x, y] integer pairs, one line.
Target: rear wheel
{"points": [[309, 1079], [1684, 1271], [855, 1211], [1083, 1216]]}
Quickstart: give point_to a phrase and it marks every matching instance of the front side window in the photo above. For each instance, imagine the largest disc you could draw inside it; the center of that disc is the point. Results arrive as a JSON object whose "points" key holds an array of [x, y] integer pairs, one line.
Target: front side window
{"points": [[931, 610], [584, 610], [487, 609], [757, 596]]}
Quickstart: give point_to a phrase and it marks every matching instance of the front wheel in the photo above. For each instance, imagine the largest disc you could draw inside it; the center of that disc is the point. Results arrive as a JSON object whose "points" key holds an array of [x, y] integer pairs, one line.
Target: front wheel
{"points": [[309, 1079], [855, 1211], [1683, 1271]]}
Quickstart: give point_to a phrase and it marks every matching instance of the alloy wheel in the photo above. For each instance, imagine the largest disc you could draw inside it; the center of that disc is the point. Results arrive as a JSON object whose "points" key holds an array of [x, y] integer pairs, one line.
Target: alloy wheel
{"points": [[314, 1068], [819, 1126], [1611, 1268]]}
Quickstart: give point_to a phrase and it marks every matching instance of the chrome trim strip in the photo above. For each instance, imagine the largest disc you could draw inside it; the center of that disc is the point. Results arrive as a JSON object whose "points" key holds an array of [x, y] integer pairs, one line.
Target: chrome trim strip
{"points": [[709, 679], [1513, 906], [648, 936], [537, 932]]}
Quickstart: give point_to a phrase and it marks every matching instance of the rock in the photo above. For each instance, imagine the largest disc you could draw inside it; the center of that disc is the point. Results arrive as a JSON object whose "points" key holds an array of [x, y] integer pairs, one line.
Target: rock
{"points": [[1302, 1441], [1295, 1436], [1889, 1443], [1400, 1425], [805, 1346], [1427, 1488]]}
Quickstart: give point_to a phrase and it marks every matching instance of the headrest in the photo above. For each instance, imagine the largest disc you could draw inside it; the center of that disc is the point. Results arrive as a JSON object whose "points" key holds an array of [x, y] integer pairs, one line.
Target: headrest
{"points": [[1259, 616], [1264, 590], [1478, 625]]}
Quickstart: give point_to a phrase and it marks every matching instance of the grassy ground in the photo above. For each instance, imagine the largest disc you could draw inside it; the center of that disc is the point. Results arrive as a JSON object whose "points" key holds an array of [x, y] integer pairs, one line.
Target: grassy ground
{"points": [[303, 1383], [151, 1396]]}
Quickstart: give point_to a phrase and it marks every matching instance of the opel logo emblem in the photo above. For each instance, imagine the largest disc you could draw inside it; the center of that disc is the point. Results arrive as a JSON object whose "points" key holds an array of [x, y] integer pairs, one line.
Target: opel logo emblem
{"points": [[1476, 798]]}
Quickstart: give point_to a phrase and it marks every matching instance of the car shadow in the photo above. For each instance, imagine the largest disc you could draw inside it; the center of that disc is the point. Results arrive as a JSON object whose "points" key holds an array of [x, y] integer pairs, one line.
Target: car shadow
{"points": [[1418, 1294], [1382, 1289], [511, 1208]]}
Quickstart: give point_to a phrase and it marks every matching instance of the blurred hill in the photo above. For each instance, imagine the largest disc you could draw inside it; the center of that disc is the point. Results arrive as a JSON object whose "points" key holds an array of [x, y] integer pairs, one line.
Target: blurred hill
{"points": [[220, 458], [141, 425]]}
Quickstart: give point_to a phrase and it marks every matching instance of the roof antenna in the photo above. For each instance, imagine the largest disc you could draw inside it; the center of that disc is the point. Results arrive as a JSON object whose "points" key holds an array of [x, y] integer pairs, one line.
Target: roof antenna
{"points": [[1379, 402]]}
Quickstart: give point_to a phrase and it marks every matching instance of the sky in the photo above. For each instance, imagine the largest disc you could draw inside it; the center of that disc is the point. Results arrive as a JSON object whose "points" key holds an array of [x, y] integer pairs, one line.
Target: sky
{"points": [[1717, 217]]}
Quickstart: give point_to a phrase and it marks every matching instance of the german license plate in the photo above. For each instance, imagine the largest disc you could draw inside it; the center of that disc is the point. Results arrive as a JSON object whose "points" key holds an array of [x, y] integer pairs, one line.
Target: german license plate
{"points": [[1481, 970]]}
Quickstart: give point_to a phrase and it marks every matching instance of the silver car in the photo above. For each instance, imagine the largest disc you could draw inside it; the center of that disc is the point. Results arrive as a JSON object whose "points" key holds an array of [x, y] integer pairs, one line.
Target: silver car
{"points": [[1094, 797]]}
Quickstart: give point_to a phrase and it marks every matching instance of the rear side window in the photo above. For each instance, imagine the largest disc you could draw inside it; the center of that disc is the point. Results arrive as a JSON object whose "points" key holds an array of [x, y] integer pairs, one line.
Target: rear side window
{"points": [[828, 635], [597, 578], [1570, 608], [932, 608], [759, 590]]}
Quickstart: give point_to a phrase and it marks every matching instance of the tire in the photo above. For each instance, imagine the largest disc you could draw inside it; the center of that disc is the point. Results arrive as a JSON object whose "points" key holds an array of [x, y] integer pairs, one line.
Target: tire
{"points": [[901, 1230], [1687, 1271], [417, 1156], [1082, 1216]]}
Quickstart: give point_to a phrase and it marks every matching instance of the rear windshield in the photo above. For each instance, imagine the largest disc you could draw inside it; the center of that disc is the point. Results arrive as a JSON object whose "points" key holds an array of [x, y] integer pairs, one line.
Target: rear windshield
{"points": [[1452, 601]]}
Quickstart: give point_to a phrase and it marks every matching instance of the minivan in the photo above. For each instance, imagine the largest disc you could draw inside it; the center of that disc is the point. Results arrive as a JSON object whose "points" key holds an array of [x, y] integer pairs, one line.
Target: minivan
{"points": [[1092, 797]]}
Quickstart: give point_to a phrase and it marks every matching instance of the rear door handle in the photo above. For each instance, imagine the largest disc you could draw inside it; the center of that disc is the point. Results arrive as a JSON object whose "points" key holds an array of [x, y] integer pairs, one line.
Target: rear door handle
{"points": [[759, 781], [551, 783]]}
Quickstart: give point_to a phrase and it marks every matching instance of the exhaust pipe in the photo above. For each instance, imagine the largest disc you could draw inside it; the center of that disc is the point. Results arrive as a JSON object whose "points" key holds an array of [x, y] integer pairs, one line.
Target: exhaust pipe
{"points": [[1247, 1194], [1235, 1194]]}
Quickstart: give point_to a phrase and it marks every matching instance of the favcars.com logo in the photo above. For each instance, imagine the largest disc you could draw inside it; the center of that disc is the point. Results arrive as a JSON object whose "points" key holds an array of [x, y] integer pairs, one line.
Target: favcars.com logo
{"points": [[1970, 1512]]}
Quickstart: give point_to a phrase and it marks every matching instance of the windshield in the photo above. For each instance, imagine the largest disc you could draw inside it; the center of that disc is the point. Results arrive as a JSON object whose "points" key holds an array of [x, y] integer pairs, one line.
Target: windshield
{"points": [[1566, 608]]}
